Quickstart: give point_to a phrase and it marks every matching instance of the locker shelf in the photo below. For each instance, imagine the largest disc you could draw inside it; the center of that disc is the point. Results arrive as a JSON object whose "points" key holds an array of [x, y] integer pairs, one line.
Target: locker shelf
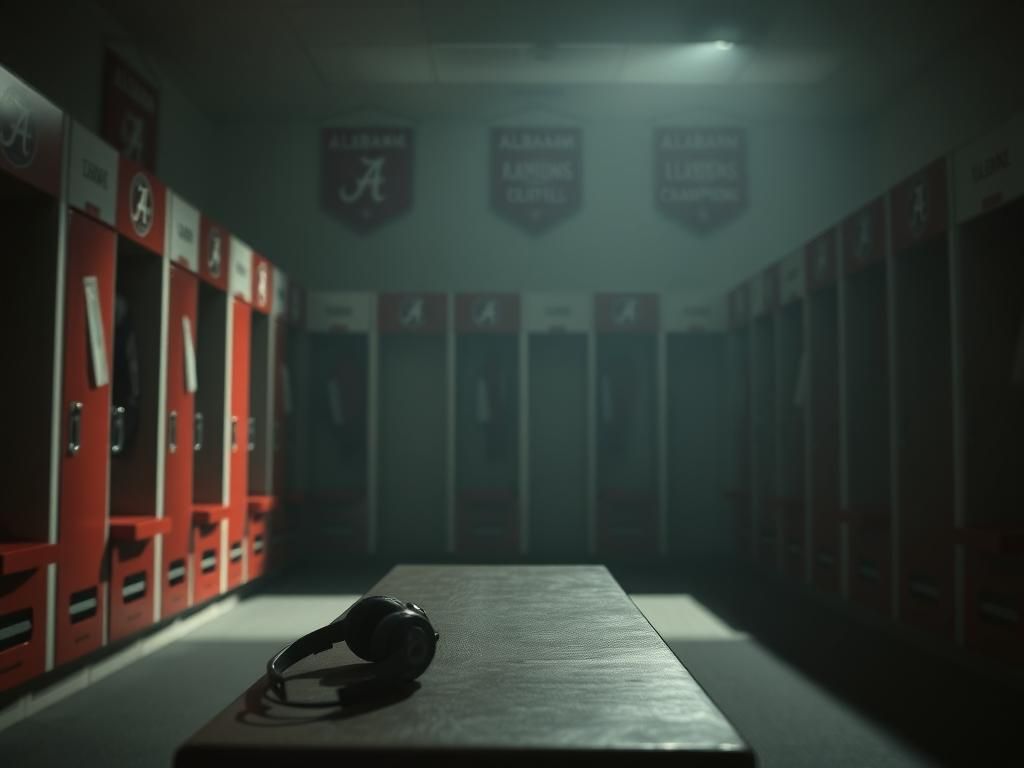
{"points": [[209, 514], [260, 506], [20, 556], [137, 527]]}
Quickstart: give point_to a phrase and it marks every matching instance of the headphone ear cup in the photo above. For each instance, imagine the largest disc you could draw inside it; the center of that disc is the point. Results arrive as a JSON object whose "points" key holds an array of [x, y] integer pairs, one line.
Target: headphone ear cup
{"points": [[364, 619], [406, 641]]}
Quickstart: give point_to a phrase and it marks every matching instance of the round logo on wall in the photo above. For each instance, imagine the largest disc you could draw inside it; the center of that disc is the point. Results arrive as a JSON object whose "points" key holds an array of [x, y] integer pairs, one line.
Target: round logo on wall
{"points": [[140, 200], [17, 128], [213, 255]]}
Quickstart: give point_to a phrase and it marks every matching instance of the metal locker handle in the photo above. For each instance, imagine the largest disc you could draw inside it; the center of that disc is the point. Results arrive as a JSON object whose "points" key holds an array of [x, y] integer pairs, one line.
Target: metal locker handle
{"points": [[234, 433], [74, 428], [251, 437], [198, 444], [117, 430], [172, 431]]}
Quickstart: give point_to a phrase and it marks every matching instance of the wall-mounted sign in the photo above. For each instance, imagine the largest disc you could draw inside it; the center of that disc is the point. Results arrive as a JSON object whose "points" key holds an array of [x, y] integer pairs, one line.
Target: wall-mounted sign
{"points": [[131, 112], [367, 173], [700, 175], [31, 135], [412, 312], [487, 312], [626, 312], [918, 207], [864, 236], [536, 174]]}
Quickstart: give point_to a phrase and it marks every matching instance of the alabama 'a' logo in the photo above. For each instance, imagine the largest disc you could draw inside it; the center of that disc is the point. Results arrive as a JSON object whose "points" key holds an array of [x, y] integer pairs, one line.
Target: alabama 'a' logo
{"points": [[140, 200], [411, 312], [18, 136], [262, 278], [214, 257], [367, 173], [625, 312], [485, 313]]}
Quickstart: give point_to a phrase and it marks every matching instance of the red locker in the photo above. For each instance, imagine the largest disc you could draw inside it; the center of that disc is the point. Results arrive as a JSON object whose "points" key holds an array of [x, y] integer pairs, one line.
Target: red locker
{"points": [[261, 422], [32, 130], [211, 462], [141, 213], [82, 538], [178, 461]]}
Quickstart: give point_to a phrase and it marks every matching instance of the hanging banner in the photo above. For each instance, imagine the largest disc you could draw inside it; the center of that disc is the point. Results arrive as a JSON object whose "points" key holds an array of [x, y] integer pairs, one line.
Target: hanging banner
{"points": [[367, 174], [536, 174], [131, 112], [700, 175]]}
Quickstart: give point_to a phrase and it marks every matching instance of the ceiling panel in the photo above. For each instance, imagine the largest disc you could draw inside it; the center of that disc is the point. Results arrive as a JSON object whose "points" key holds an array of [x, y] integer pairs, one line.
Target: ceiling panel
{"points": [[693, 63], [374, 64], [788, 67]]}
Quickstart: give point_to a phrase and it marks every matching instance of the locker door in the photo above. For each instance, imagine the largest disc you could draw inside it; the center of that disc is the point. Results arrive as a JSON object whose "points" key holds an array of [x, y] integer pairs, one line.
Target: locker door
{"points": [[239, 483], [85, 465], [178, 461], [558, 446]]}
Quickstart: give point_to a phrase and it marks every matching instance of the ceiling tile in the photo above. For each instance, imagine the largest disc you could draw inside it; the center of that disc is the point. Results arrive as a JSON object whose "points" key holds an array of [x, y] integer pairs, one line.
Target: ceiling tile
{"points": [[528, 63], [374, 64]]}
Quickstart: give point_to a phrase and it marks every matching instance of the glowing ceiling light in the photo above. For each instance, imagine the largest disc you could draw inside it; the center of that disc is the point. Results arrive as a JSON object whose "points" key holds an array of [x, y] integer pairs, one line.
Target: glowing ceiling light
{"points": [[724, 45]]}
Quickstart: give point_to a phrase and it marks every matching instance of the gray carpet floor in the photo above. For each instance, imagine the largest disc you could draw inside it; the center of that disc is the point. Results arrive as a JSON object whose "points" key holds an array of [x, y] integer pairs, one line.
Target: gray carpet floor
{"points": [[803, 687]]}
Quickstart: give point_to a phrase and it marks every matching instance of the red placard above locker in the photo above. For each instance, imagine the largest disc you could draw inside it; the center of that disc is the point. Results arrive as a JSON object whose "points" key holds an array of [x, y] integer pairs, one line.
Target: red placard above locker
{"points": [[296, 305], [141, 206], [990, 172], [412, 312], [92, 175], [821, 260], [487, 313], [240, 279], [214, 242], [864, 236], [739, 305], [262, 292], [919, 207], [183, 242], [764, 291], [626, 312], [31, 135]]}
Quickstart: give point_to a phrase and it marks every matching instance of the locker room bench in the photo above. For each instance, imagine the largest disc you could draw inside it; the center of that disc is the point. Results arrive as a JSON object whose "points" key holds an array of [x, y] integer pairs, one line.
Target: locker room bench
{"points": [[534, 662]]}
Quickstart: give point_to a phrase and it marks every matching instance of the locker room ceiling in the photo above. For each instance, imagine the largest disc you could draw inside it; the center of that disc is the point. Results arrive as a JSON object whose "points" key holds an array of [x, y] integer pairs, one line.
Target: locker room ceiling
{"points": [[311, 57]]}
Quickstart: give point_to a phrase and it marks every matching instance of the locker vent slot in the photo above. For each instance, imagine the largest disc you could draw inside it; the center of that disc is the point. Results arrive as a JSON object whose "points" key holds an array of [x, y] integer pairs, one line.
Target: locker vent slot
{"points": [[257, 544], [996, 611], [209, 561], [924, 589], [134, 587], [83, 604], [236, 551], [15, 628], [176, 573]]}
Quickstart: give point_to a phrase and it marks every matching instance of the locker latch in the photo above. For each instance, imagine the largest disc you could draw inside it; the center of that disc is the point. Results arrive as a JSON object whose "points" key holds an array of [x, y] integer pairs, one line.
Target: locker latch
{"points": [[172, 431], [117, 433], [74, 428], [198, 444]]}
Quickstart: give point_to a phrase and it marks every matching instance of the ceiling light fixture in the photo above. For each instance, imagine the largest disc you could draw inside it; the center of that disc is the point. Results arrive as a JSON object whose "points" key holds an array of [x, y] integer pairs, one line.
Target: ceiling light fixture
{"points": [[724, 45]]}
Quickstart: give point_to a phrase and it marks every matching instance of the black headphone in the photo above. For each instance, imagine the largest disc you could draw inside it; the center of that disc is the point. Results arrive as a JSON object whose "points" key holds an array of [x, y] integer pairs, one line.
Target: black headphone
{"points": [[396, 636]]}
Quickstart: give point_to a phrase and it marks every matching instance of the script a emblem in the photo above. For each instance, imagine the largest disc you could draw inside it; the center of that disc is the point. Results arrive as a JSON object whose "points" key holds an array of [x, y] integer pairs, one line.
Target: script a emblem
{"points": [[141, 204], [17, 129], [132, 132], [261, 284], [214, 258], [370, 183], [624, 312], [411, 312], [485, 313]]}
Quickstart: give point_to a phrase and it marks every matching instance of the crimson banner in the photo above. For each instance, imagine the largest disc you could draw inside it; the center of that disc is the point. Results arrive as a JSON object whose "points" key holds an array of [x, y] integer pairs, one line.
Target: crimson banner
{"points": [[536, 174], [131, 112], [367, 174], [700, 175]]}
